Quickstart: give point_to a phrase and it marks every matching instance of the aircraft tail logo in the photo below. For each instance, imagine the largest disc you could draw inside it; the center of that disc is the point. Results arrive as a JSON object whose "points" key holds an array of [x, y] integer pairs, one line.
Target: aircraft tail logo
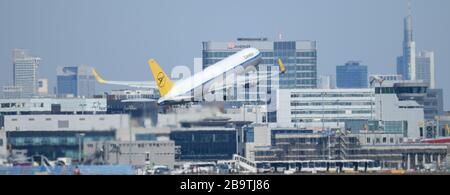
{"points": [[162, 80]]}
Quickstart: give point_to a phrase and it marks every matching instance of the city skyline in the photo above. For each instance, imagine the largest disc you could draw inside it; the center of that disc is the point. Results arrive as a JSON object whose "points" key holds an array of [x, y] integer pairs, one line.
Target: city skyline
{"points": [[109, 36]]}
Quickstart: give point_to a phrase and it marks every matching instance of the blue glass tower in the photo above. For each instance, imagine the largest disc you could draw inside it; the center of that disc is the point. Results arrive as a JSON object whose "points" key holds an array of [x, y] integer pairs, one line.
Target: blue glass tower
{"points": [[300, 58], [76, 81], [351, 75]]}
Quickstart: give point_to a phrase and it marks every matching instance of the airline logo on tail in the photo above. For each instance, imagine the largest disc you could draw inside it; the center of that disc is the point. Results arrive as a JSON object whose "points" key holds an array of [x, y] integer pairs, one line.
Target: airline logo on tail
{"points": [[161, 78]]}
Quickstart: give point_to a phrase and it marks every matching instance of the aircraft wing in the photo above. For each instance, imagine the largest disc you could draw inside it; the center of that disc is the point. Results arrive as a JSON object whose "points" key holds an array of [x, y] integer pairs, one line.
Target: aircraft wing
{"points": [[136, 84], [177, 99]]}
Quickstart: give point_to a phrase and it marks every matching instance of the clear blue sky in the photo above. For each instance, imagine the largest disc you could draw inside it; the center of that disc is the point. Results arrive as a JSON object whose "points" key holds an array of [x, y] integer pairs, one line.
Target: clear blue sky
{"points": [[118, 37]]}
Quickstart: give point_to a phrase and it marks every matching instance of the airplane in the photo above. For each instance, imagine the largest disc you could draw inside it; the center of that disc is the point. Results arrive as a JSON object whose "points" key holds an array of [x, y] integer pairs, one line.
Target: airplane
{"points": [[207, 81]]}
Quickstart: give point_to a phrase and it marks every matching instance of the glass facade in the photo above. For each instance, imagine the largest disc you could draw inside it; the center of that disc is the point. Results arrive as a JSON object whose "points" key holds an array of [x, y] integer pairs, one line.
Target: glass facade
{"points": [[328, 106], [401, 90], [301, 65], [249, 135], [406, 64], [299, 57], [146, 137], [351, 75], [67, 84], [387, 127], [55, 144], [275, 132], [75, 80], [425, 68], [395, 127], [205, 145]]}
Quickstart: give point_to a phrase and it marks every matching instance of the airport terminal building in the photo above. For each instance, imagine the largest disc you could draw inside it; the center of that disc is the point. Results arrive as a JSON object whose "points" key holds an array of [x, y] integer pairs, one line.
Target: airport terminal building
{"points": [[399, 102]]}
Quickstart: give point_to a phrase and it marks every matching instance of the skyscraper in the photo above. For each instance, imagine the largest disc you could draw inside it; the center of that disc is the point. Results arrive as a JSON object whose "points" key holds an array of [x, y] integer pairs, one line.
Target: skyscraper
{"points": [[42, 87], [300, 58], [326, 82], [25, 72], [406, 64], [351, 75], [11, 92], [75, 80], [425, 69]]}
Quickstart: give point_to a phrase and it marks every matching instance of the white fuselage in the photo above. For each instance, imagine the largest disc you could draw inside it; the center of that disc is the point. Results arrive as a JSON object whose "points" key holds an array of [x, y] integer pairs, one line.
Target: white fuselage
{"points": [[185, 87]]}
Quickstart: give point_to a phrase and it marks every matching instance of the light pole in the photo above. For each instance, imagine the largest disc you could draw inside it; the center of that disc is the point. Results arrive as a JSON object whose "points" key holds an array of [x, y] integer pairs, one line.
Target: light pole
{"points": [[80, 137]]}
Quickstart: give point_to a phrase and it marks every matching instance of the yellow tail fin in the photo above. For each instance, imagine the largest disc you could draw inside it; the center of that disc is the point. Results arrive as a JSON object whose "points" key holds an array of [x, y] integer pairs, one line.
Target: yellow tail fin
{"points": [[162, 80], [97, 76], [282, 67]]}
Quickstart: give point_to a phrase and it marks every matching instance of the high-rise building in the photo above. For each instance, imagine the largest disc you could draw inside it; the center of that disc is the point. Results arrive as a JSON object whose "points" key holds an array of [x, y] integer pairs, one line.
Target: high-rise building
{"points": [[351, 75], [433, 104], [75, 80], [326, 82], [11, 92], [425, 69], [42, 87], [25, 72], [406, 64], [300, 58]]}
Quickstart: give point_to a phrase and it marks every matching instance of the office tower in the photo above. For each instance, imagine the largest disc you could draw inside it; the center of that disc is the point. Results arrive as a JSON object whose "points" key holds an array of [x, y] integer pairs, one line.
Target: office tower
{"points": [[76, 81], [351, 75], [25, 72], [300, 58], [42, 87], [425, 69], [433, 104], [406, 64], [11, 92], [326, 82]]}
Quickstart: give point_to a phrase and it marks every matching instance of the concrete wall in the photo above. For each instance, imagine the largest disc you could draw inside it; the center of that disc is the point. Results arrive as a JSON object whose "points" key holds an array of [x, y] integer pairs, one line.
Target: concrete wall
{"points": [[161, 133], [262, 135], [135, 153], [389, 109], [45, 105], [373, 138], [65, 122]]}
